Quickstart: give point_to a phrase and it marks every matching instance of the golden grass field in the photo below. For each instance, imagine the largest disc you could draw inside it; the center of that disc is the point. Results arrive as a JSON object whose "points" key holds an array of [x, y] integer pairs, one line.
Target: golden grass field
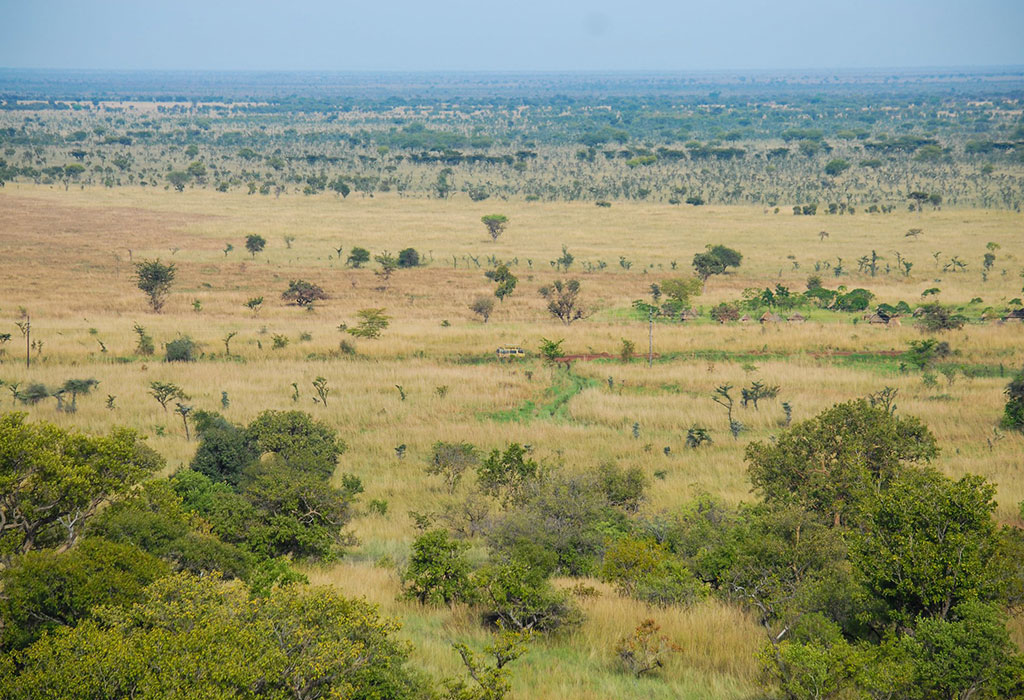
{"points": [[66, 259]]}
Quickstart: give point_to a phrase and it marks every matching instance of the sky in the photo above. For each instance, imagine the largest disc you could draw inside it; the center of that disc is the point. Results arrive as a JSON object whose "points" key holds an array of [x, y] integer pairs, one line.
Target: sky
{"points": [[514, 35]]}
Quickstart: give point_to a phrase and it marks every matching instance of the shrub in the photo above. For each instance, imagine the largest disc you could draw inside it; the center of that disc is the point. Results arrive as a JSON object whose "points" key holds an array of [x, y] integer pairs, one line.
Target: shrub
{"points": [[182, 349], [518, 597], [935, 318], [408, 257], [647, 571], [438, 572], [1013, 413], [643, 650], [725, 312]]}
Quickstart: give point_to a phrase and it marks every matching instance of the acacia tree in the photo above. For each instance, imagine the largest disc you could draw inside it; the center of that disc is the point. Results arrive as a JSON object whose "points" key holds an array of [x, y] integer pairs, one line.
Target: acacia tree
{"points": [[303, 293], [155, 278], [715, 261], [495, 224], [563, 300]]}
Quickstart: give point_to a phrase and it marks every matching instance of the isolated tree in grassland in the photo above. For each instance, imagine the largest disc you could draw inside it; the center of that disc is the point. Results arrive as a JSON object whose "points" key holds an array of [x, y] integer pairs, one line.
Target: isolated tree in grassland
{"points": [[254, 304], [163, 392], [563, 300], [358, 257], [53, 480], [408, 257], [715, 261], [255, 243], [372, 323], [503, 277], [495, 224], [75, 387], [155, 278], [303, 293], [482, 307]]}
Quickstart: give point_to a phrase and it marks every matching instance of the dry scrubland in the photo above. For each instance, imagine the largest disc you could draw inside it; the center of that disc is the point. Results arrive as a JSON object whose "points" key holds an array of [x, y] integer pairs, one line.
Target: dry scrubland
{"points": [[65, 258]]}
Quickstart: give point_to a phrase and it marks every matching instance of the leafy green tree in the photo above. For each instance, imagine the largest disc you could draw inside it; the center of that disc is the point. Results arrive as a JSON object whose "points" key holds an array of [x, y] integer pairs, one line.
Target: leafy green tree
{"points": [[488, 682], [833, 463], [679, 293], [551, 350], [556, 524], [75, 387], [303, 293], [837, 166], [47, 589], [505, 474], [648, 571], [438, 572], [715, 261], [154, 279], [358, 257], [164, 392], [518, 597], [372, 323], [935, 318], [255, 243], [155, 519], [224, 448], [178, 179], [927, 543], [1013, 412], [408, 257], [968, 655], [495, 224], [201, 637], [563, 300], [451, 460], [53, 480], [301, 442], [504, 279]]}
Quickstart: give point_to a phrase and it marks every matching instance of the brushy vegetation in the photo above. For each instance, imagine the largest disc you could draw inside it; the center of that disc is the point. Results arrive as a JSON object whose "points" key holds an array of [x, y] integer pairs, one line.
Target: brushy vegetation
{"points": [[743, 451]]}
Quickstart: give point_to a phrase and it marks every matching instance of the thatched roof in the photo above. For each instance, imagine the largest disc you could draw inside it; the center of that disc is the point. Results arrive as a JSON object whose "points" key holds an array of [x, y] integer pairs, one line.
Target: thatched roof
{"points": [[770, 317], [796, 318]]}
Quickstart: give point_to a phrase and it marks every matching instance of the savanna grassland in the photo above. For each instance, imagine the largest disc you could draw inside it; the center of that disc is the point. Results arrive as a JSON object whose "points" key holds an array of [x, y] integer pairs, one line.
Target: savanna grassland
{"points": [[67, 259]]}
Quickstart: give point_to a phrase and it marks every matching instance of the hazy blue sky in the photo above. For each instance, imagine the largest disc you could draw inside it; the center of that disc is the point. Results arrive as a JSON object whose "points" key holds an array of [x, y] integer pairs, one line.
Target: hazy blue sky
{"points": [[510, 35]]}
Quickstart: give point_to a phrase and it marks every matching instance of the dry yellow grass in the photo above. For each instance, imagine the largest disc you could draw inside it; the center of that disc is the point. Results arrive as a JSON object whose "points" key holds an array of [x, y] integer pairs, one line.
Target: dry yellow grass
{"points": [[66, 260]]}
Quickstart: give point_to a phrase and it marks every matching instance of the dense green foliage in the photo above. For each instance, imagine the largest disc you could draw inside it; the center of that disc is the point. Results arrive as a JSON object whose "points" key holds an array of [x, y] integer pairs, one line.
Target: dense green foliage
{"points": [[200, 637]]}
